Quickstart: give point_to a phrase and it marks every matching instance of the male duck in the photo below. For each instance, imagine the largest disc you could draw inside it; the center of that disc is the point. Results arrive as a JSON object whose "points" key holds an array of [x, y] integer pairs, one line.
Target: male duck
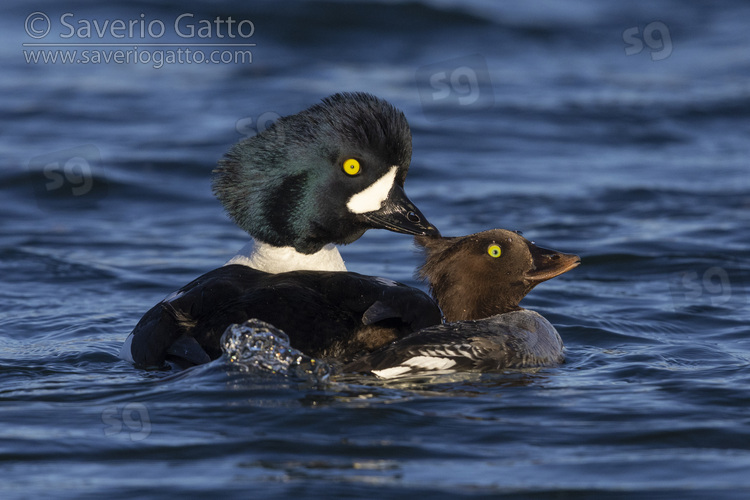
{"points": [[312, 180]]}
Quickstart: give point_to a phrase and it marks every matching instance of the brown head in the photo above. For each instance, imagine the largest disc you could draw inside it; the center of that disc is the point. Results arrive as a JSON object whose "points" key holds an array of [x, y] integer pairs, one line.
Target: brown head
{"points": [[487, 273]]}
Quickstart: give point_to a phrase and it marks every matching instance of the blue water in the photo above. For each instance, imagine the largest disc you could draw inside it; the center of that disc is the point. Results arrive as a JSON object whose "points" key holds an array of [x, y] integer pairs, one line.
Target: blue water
{"points": [[615, 130]]}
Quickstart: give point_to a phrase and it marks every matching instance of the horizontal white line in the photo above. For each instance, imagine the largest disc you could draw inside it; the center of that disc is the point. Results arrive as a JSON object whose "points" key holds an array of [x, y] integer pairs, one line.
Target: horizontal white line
{"points": [[139, 45]]}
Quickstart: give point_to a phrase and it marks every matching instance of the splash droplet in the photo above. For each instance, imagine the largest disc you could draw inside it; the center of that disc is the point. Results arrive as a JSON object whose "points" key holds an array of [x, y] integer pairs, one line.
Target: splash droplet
{"points": [[259, 346]]}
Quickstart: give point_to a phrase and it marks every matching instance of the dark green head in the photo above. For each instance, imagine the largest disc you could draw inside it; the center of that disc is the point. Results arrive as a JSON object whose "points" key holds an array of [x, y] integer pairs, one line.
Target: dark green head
{"points": [[322, 176]]}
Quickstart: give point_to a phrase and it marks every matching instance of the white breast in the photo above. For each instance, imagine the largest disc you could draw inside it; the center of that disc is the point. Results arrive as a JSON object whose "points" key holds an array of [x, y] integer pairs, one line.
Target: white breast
{"points": [[271, 259]]}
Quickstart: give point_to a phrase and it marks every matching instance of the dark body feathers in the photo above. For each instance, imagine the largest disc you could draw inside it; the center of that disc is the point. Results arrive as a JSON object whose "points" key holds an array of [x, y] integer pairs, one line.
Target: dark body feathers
{"points": [[518, 339], [322, 312]]}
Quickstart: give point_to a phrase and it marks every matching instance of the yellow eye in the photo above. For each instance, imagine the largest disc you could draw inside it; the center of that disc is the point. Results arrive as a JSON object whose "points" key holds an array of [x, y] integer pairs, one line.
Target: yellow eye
{"points": [[494, 251], [351, 166]]}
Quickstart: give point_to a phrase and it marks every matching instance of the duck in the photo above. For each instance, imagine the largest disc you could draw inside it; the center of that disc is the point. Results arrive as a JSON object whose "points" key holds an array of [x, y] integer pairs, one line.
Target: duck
{"points": [[307, 183], [478, 281]]}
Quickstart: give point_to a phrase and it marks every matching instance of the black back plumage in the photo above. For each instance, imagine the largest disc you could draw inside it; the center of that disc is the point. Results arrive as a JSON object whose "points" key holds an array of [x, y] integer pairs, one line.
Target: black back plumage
{"points": [[334, 315]]}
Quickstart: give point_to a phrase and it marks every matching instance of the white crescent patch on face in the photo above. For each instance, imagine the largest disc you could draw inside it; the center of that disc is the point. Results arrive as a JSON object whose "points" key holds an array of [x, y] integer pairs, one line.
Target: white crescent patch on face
{"points": [[373, 196]]}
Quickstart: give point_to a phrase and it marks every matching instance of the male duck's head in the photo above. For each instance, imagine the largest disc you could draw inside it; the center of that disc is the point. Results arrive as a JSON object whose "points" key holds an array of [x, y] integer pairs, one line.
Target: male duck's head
{"points": [[322, 176]]}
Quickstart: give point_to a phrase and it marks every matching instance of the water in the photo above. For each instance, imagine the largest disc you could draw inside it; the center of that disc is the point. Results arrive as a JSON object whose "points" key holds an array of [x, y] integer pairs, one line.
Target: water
{"points": [[639, 163]]}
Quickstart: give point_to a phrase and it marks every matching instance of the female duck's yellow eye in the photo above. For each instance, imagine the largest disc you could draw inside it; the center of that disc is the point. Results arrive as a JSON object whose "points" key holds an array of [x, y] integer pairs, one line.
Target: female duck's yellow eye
{"points": [[494, 251], [351, 166]]}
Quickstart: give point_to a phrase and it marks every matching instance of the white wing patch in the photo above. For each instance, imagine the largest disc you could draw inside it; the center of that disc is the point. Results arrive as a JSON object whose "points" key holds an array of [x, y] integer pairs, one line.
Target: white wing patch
{"points": [[385, 281], [125, 352], [430, 363], [174, 296], [392, 372], [416, 364], [373, 196]]}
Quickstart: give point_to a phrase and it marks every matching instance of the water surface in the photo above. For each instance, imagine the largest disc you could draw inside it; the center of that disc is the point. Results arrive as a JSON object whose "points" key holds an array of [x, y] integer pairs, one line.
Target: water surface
{"points": [[639, 163]]}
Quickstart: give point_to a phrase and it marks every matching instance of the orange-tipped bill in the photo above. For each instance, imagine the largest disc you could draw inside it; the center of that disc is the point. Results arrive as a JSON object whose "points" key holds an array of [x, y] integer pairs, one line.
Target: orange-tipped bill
{"points": [[550, 263]]}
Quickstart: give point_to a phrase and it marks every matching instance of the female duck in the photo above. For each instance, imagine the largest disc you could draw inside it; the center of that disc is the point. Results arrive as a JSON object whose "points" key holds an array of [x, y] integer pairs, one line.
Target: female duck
{"points": [[478, 281]]}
